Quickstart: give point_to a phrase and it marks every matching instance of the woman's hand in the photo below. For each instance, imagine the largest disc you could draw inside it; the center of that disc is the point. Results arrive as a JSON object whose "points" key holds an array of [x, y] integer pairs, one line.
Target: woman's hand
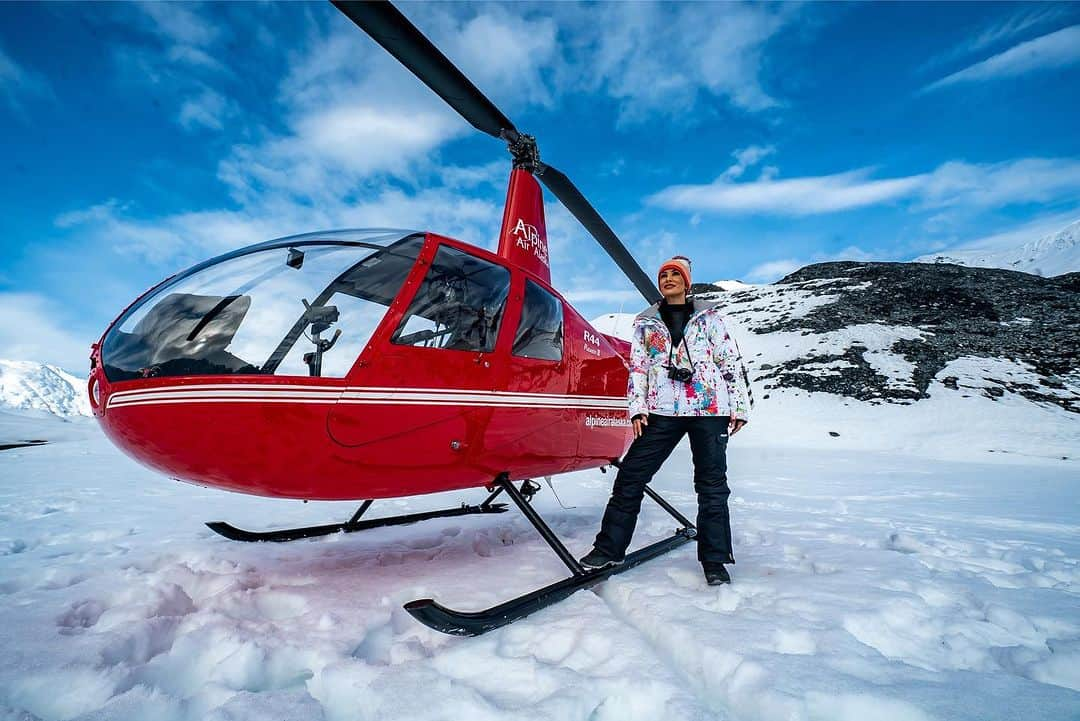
{"points": [[640, 421], [735, 425]]}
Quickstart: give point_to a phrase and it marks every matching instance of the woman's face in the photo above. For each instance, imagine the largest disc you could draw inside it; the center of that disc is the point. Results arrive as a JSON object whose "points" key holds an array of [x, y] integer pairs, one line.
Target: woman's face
{"points": [[671, 283]]}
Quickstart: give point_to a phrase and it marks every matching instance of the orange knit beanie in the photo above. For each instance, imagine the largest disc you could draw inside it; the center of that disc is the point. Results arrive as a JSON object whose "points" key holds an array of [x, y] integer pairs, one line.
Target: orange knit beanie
{"points": [[679, 263]]}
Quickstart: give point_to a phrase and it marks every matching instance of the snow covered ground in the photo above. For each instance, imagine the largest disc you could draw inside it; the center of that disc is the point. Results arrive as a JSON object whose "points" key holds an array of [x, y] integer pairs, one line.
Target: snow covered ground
{"points": [[898, 571]]}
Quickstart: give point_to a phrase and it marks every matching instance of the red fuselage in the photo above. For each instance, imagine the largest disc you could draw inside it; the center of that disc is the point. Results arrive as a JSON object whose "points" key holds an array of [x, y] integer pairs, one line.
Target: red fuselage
{"points": [[403, 420]]}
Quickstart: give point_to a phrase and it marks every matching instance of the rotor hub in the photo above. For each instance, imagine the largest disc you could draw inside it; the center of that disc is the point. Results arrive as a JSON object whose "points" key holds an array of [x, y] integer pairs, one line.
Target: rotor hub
{"points": [[524, 150]]}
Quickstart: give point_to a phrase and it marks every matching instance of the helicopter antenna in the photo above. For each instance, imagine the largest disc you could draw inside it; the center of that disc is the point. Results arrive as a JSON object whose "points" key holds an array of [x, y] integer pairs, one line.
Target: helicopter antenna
{"points": [[393, 31]]}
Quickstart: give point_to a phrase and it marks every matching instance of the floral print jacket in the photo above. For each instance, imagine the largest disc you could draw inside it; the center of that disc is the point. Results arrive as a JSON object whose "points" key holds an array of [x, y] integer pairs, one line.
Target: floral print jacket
{"points": [[720, 385]]}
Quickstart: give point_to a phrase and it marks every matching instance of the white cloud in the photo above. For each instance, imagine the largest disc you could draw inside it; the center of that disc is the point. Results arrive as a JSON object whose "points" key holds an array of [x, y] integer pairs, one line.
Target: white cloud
{"points": [[493, 173], [180, 23], [177, 55], [209, 109], [661, 58], [774, 270], [746, 158], [606, 295], [653, 249], [654, 58], [172, 241], [794, 196], [178, 239], [1002, 31], [94, 214], [17, 83], [34, 328], [108, 225], [1057, 49], [352, 116], [523, 46], [1015, 25], [336, 151], [952, 184], [1028, 180], [366, 138], [187, 36], [194, 56]]}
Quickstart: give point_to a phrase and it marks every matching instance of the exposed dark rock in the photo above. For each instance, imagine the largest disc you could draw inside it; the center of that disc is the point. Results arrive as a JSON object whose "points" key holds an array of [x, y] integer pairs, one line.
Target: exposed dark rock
{"points": [[853, 377], [697, 288], [962, 311], [1068, 281]]}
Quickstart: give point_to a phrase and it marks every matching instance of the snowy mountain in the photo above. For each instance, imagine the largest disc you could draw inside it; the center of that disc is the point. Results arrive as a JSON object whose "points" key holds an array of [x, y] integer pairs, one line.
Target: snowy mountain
{"points": [[730, 285], [1051, 255], [27, 385]]}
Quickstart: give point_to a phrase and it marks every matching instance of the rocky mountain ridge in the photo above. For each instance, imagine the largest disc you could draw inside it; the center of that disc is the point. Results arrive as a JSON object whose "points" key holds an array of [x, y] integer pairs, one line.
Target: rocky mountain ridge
{"points": [[922, 317], [888, 332]]}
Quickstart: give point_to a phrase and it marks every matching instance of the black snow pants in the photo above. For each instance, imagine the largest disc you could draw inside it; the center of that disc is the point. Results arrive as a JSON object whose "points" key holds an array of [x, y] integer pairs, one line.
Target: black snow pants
{"points": [[708, 444]]}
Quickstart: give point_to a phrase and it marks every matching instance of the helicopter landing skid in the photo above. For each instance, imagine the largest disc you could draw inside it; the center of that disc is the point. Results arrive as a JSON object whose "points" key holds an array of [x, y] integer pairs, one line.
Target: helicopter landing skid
{"points": [[473, 623], [354, 524]]}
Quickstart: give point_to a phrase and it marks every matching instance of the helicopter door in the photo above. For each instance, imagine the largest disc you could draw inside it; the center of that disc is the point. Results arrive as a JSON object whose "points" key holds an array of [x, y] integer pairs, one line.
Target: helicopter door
{"points": [[599, 373], [538, 429], [420, 395]]}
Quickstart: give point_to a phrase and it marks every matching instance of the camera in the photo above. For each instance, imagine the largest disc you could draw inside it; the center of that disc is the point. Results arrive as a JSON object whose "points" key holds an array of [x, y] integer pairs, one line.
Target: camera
{"points": [[684, 375]]}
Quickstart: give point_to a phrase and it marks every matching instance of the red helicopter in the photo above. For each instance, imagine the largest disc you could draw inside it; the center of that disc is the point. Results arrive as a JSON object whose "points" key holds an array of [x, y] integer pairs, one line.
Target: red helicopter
{"points": [[446, 367]]}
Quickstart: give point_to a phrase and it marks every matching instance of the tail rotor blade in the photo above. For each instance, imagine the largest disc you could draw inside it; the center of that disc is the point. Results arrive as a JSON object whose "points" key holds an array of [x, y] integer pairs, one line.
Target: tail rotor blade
{"points": [[568, 194], [389, 28]]}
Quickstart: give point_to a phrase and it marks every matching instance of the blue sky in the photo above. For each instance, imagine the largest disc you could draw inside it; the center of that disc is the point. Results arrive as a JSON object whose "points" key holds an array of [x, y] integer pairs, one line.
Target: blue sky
{"points": [[137, 139]]}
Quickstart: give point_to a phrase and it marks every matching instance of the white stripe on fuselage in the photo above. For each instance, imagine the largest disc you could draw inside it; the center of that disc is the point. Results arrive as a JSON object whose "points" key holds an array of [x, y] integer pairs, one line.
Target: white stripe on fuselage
{"points": [[282, 393]]}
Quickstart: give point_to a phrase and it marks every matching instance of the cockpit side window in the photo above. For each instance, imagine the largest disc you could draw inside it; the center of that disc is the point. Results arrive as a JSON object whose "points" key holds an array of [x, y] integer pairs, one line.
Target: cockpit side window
{"points": [[459, 305], [540, 332]]}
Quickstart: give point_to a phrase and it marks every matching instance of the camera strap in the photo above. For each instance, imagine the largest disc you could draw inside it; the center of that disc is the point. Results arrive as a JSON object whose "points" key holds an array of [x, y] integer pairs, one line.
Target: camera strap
{"points": [[671, 354]]}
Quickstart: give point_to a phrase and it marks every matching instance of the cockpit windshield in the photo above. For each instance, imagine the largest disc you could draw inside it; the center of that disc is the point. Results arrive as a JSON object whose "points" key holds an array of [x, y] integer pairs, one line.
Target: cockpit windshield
{"points": [[305, 305]]}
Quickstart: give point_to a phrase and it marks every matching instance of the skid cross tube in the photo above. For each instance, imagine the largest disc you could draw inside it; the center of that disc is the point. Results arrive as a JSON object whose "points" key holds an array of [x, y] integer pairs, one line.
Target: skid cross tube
{"points": [[473, 623], [494, 494], [672, 510], [359, 512], [354, 524], [541, 527]]}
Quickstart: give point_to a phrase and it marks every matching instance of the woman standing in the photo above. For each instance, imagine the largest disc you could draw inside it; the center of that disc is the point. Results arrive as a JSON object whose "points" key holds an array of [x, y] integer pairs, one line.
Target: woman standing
{"points": [[686, 378]]}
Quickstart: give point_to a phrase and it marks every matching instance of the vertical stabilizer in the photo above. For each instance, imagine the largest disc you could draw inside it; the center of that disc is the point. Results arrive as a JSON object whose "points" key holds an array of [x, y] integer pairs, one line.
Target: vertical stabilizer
{"points": [[523, 238]]}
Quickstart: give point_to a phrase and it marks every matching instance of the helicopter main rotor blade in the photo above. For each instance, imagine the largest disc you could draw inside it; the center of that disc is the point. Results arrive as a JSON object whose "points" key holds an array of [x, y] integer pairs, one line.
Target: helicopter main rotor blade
{"points": [[389, 28], [568, 194]]}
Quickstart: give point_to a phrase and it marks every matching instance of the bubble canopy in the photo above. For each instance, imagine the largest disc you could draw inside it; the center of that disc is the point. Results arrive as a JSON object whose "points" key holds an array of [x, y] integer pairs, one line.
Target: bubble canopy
{"points": [[262, 310]]}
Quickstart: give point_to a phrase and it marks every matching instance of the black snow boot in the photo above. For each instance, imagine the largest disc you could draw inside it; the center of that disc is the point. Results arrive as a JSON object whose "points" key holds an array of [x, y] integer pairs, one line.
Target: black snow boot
{"points": [[716, 574], [594, 560]]}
